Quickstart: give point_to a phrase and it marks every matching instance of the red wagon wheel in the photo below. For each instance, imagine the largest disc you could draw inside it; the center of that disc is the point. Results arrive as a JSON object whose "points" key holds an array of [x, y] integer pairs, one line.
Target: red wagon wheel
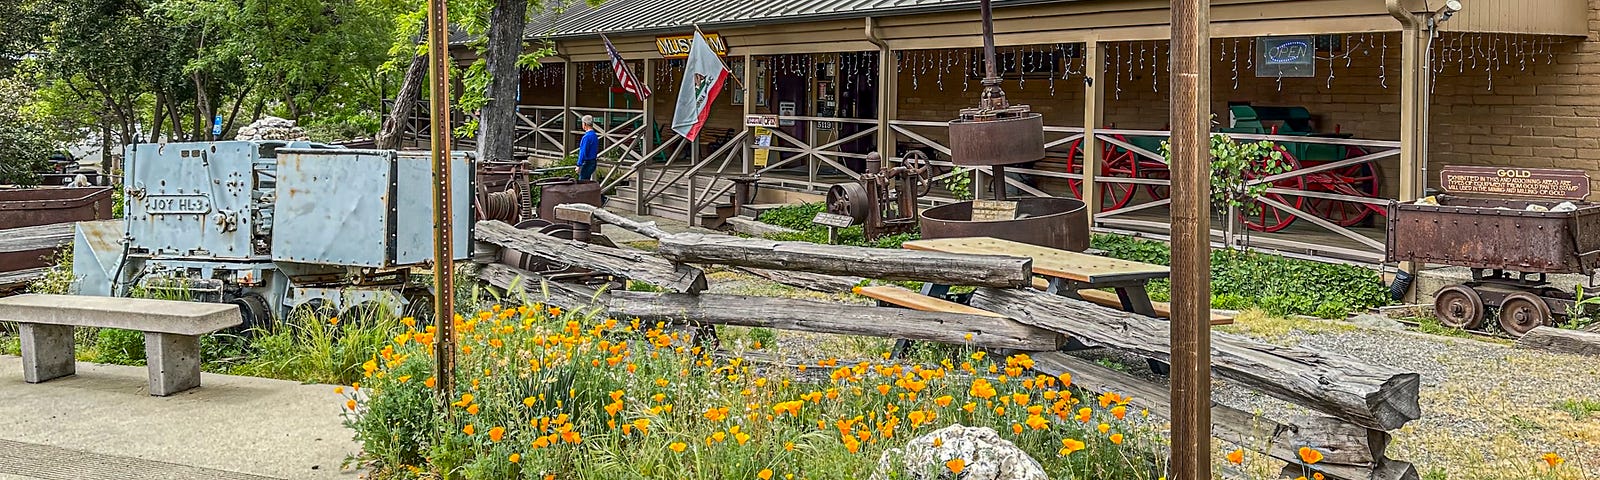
{"points": [[1268, 218], [1114, 162], [1356, 180]]}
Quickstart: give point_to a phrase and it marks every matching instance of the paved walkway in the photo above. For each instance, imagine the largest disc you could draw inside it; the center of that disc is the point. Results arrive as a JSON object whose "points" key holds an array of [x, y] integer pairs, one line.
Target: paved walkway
{"points": [[103, 424]]}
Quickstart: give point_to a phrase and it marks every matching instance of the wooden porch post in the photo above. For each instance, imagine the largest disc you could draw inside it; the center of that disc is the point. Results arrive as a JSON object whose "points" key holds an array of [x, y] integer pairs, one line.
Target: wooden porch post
{"points": [[1094, 114], [888, 101], [1414, 98], [748, 165], [1191, 240], [649, 137], [569, 99]]}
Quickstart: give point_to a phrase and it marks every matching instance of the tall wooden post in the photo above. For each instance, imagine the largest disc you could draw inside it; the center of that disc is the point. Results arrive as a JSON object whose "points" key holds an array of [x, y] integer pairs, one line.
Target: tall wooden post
{"points": [[444, 347], [649, 137], [749, 101], [1414, 98], [888, 101], [1094, 114], [1191, 240], [569, 99]]}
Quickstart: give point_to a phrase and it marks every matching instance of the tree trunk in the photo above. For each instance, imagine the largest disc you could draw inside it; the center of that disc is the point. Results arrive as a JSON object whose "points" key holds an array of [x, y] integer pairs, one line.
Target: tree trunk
{"points": [[233, 113], [156, 117], [405, 104], [1377, 397], [815, 282], [497, 125], [879, 263], [622, 263]]}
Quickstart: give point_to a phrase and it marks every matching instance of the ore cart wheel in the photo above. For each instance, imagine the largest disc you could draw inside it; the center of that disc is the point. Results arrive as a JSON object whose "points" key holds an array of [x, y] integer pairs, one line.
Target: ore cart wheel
{"points": [[1459, 307], [1522, 312], [254, 312]]}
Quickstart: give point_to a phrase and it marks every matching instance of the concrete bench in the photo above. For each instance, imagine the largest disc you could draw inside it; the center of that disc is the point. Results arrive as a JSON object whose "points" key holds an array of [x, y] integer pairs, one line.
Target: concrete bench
{"points": [[171, 329]]}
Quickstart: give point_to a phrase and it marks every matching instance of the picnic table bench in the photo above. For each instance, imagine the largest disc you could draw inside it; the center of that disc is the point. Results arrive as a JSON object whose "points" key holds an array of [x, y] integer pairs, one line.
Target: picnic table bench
{"points": [[171, 329], [1066, 272]]}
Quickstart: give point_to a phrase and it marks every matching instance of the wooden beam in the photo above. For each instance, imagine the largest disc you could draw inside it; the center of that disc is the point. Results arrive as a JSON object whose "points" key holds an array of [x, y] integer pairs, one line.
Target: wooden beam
{"points": [[916, 301], [879, 263], [536, 288], [585, 213], [1350, 451], [1372, 396], [1094, 114], [1190, 333], [829, 317], [629, 264], [1557, 340], [815, 282], [649, 138]]}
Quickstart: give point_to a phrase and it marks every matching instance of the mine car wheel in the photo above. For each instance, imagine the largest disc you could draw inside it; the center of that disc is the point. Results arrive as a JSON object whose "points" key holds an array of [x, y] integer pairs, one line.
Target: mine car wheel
{"points": [[1522, 312], [254, 312], [1459, 307], [848, 199]]}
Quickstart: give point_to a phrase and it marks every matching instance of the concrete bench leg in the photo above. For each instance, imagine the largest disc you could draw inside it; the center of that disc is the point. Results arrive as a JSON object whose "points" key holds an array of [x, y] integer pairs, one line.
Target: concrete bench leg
{"points": [[46, 352], [174, 362]]}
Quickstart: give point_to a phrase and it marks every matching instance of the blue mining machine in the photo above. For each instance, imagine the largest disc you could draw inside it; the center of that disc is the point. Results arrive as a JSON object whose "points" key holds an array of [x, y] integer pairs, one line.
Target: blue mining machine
{"points": [[274, 227]]}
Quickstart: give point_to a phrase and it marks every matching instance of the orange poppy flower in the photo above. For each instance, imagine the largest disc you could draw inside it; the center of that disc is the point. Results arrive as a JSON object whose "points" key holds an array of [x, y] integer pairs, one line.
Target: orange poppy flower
{"points": [[496, 433], [1552, 459], [956, 465], [1236, 456], [677, 447], [1310, 455]]}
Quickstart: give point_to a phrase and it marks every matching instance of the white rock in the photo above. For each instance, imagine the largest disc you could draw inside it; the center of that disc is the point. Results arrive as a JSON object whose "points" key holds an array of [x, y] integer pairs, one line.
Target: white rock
{"points": [[1564, 207], [987, 457]]}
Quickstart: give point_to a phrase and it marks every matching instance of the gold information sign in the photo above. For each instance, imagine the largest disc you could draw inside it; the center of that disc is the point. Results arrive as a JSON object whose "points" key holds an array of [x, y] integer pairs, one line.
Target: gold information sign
{"points": [[1550, 183], [677, 46], [993, 211]]}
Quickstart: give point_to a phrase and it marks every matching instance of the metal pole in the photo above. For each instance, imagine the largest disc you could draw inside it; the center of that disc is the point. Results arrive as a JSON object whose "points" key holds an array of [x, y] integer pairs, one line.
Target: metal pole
{"points": [[444, 347], [1191, 240]]}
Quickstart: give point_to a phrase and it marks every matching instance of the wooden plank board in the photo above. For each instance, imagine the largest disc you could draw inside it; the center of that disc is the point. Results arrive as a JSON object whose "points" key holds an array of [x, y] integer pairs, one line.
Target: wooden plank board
{"points": [[1380, 397], [1047, 261], [831, 317], [880, 263], [917, 301], [1108, 299], [630, 264], [1557, 340]]}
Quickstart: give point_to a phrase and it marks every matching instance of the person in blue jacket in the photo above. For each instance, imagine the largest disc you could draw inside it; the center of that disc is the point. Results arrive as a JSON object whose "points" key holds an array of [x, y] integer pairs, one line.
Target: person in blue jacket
{"points": [[588, 149]]}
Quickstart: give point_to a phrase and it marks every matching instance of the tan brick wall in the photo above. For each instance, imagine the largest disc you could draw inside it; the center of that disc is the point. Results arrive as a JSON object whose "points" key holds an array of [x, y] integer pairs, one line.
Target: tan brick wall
{"points": [[1543, 114]]}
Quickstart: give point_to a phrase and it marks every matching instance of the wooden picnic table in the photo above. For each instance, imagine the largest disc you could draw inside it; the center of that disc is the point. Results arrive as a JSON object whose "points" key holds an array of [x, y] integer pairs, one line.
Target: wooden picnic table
{"points": [[1067, 271]]}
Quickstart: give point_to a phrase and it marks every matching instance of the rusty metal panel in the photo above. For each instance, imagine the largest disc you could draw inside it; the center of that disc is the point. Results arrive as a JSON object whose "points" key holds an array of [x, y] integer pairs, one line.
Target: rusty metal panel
{"points": [[26, 207], [1495, 234], [1060, 223]]}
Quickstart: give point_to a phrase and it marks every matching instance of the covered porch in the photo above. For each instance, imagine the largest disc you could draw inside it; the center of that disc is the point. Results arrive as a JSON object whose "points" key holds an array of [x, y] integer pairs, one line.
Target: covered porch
{"points": [[1341, 87]]}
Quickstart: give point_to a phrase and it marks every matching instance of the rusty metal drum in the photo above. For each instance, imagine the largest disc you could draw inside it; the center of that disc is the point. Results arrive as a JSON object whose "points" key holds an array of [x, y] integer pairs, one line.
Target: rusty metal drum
{"points": [[556, 191], [1060, 223], [1000, 141]]}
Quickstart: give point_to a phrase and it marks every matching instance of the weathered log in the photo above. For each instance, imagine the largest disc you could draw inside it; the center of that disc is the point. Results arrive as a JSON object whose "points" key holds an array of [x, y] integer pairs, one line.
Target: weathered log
{"points": [[1551, 339], [21, 278], [755, 228], [880, 263], [1368, 395], [1351, 452], [539, 289], [630, 264], [815, 282], [38, 237], [585, 213], [830, 317]]}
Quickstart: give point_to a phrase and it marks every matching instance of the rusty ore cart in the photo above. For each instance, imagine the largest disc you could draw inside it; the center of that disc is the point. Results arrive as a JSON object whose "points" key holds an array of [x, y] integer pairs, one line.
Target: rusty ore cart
{"points": [[1510, 250]]}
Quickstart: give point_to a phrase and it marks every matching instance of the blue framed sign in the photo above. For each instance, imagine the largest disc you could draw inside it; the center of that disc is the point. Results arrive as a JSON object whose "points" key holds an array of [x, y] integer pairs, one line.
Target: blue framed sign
{"points": [[1280, 57]]}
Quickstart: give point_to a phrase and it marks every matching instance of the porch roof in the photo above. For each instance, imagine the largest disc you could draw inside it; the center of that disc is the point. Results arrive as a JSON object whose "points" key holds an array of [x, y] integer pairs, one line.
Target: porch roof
{"points": [[570, 20]]}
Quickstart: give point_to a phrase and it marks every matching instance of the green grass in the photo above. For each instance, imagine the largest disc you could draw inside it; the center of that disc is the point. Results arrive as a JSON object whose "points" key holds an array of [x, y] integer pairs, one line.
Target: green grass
{"points": [[1579, 409], [1431, 326]]}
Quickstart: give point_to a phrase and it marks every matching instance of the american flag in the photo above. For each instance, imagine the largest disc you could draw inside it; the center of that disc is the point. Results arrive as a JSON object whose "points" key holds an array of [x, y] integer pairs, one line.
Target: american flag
{"points": [[624, 76]]}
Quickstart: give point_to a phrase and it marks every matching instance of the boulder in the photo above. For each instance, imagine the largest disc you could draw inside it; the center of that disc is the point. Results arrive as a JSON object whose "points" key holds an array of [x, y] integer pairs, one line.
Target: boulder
{"points": [[987, 457], [272, 128]]}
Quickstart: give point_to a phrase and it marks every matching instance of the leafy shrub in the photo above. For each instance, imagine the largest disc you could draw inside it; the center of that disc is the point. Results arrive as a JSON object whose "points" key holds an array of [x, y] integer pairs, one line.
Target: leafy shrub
{"points": [[797, 217], [544, 391], [119, 347], [1279, 285]]}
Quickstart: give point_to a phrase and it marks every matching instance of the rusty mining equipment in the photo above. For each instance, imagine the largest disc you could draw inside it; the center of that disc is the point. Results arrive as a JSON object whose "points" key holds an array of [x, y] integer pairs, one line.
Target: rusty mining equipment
{"points": [[884, 200], [273, 226], [996, 134]]}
